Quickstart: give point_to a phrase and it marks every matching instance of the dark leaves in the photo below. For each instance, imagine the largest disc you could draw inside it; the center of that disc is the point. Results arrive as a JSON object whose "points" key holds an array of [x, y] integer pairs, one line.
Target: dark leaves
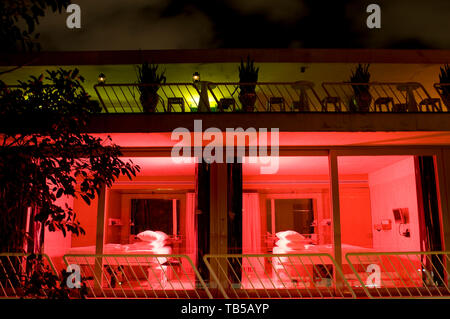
{"points": [[19, 20], [52, 157]]}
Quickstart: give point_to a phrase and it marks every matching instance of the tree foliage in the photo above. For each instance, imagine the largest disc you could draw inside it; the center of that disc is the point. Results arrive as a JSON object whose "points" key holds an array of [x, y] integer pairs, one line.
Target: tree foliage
{"points": [[18, 20], [45, 154], [40, 281]]}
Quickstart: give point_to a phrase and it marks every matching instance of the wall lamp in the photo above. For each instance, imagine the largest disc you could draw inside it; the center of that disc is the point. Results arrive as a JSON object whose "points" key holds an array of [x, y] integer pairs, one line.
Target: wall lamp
{"points": [[101, 78], [196, 77]]}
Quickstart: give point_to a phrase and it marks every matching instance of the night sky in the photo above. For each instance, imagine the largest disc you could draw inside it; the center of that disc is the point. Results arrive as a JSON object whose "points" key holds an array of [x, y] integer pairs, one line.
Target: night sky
{"points": [[195, 24]]}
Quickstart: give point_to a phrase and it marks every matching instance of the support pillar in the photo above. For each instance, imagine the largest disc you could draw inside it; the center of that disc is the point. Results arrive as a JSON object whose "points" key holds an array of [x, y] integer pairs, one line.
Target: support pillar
{"points": [[336, 216]]}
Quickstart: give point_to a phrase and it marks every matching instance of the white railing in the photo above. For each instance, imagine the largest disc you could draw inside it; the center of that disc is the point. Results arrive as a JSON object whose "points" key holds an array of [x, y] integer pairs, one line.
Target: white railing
{"points": [[16, 271], [140, 276], [277, 276], [401, 274], [365, 275]]}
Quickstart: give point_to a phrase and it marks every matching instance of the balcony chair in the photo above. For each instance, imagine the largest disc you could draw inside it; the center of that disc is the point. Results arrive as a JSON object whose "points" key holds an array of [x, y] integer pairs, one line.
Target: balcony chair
{"points": [[225, 104], [379, 102], [171, 101], [276, 101], [431, 104], [336, 101]]}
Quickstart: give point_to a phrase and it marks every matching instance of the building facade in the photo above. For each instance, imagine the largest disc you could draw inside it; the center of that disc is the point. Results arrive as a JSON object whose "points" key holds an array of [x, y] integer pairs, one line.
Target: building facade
{"points": [[308, 192]]}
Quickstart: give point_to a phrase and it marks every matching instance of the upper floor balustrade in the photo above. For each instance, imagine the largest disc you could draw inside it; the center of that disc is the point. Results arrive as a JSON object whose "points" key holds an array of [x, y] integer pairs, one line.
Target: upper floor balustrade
{"points": [[300, 96]]}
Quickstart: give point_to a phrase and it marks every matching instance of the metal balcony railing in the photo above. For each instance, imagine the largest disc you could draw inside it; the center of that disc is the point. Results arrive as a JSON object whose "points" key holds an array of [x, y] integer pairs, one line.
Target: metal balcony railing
{"points": [[15, 274], [135, 98], [300, 96], [266, 97], [210, 97], [278, 276], [401, 274], [380, 97], [241, 276], [443, 89], [139, 276]]}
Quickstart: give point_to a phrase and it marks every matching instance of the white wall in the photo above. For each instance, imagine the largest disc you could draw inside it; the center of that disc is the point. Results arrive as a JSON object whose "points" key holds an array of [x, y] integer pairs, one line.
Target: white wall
{"points": [[394, 187]]}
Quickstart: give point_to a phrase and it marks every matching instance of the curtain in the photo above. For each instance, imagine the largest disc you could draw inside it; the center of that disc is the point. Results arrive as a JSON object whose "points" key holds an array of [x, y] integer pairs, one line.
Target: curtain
{"points": [[202, 188], [234, 207], [152, 214], [191, 228], [251, 224], [430, 231]]}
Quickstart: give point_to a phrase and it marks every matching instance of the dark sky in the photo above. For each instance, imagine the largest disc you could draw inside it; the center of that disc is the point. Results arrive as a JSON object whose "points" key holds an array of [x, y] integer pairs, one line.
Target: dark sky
{"points": [[192, 24]]}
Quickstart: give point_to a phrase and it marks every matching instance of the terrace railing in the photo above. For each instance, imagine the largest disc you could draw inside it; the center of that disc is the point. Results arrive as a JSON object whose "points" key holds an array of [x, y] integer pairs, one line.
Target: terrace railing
{"points": [[211, 97], [15, 274], [443, 89], [380, 97], [126, 98], [241, 276], [278, 276], [401, 274], [140, 276], [268, 97], [300, 96]]}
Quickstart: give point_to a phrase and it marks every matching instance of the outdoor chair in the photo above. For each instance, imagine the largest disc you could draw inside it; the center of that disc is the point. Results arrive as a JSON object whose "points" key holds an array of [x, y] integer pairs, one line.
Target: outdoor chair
{"points": [[172, 101]]}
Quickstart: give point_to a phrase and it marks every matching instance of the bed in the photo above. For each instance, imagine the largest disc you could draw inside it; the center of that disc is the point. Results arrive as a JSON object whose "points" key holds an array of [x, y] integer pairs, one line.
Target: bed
{"points": [[134, 259], [307, 268]]}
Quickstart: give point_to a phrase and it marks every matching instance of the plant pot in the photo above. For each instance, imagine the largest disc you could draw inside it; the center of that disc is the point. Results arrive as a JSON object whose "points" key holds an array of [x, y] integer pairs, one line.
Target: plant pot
{"points": [[248, 101], [363, 101], [446, 100], [149, 102]]}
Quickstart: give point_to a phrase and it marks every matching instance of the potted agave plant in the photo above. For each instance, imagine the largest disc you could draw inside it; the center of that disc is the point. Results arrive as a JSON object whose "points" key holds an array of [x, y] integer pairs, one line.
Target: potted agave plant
{"points": [[444, 90], [149, 76], [248, 76], [362, 98]]}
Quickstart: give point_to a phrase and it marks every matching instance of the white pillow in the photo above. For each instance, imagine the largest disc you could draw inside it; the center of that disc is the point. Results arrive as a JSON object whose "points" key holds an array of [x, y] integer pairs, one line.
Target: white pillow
{"points": [[158, 243], [290, 235], [151, 236], [282, 250], [296, 244]]}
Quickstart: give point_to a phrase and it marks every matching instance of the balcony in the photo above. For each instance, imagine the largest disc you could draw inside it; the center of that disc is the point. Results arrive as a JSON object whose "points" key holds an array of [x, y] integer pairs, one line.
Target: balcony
{"points": [[280, 97]]}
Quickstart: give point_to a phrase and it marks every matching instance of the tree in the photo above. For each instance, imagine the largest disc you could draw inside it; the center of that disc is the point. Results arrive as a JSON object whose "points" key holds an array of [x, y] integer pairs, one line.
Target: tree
{"points": [[46, 155], [18, 20]]}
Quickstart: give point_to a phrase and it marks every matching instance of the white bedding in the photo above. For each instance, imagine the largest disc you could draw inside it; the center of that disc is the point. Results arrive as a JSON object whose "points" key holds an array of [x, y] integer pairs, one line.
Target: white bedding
{"points": [[136, 248], [314, 249], [318, 249]]}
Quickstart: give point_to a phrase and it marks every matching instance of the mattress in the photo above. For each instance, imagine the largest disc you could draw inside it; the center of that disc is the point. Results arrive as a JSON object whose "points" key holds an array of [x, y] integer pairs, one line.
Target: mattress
{"points": [[136, 248], [314, 249], [118, 249]]}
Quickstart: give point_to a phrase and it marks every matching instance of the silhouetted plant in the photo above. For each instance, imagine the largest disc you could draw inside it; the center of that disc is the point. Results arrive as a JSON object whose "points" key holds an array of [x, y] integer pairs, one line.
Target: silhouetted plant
{"points": [[149, 76], [444, 78], [362, 97], [248, 76]]}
